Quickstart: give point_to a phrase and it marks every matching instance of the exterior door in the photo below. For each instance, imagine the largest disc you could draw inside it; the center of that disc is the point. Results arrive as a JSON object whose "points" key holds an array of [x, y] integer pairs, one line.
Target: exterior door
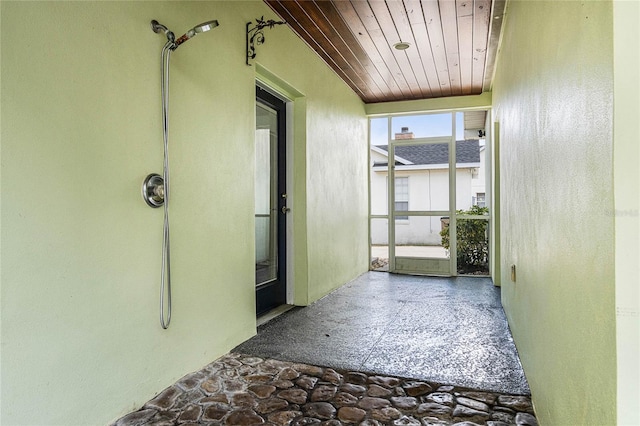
{"points": [[270, 202], [422, 195]]}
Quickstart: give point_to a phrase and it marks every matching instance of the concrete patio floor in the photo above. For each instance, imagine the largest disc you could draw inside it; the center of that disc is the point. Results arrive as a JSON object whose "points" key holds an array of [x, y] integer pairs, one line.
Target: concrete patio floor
{"points": [[381, 350], [449, 330]]}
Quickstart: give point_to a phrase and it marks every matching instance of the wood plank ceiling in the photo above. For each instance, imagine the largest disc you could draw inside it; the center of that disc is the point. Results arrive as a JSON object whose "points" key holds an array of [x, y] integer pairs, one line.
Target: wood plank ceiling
{"points": [[452, 43]]}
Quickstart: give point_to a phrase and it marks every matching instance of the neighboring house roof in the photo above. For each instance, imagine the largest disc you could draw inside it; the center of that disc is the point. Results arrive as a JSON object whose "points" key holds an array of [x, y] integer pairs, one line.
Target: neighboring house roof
{"points": [[467, 151]]}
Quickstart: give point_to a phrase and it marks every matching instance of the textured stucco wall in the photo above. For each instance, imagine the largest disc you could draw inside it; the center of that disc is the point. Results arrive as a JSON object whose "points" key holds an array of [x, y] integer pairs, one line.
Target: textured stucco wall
{"points": [[332, 164], [81, 128], [553, 96], [626, 160]]}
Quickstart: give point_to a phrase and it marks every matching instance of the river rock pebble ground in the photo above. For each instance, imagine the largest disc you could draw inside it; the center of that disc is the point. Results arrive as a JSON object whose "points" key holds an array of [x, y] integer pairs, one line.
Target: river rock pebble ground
{"points": [[240, 389]]}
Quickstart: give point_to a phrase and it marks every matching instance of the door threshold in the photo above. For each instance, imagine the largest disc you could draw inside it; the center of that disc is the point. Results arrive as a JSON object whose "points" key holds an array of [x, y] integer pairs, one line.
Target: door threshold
{"points": [[275, 312]]}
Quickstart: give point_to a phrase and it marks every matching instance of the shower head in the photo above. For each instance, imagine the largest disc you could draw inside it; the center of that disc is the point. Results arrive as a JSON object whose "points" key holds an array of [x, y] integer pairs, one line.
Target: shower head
{"points": [[205, 26], [201, 28]]}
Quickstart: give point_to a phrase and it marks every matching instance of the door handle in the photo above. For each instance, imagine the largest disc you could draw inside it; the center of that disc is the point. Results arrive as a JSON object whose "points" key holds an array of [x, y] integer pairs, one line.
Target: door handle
{"points": [[285, 209]]}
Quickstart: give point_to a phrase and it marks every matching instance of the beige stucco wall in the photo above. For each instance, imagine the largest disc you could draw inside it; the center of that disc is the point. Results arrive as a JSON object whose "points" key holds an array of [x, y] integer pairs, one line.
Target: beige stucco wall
{"points": [[553, 98], [81, 128]]}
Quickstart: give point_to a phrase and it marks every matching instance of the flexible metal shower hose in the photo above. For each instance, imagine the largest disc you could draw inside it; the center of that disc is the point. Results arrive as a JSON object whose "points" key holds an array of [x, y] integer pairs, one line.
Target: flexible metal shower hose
{"points": [[165, 285]]}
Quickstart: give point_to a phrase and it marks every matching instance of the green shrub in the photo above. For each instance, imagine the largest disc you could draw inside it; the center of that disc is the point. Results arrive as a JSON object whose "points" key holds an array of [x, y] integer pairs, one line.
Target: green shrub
{"points": [[471, 243]]}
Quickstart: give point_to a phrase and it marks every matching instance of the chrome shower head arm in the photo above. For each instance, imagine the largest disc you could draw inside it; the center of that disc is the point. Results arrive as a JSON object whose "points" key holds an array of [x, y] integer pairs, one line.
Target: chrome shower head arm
{"points": [[157, 27]]}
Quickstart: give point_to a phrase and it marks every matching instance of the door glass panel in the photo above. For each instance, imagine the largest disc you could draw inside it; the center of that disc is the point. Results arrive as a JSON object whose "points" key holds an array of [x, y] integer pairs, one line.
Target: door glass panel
{"points": [[266, 195]]}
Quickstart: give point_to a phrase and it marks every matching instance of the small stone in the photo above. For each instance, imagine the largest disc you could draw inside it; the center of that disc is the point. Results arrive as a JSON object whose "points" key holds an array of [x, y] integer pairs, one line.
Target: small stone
{"points": [[245, 370], [466, 424], [332, 422], [261, 378], [323, 393], [351, 414], [389, 382], [288, 374], [215, 366], [369, 403], [270, 405], [243, 400], [307, 382], [404, 402], [187, 398], [284, 417], [190, 381], [503, 417], [320, 410], [399, 391], [215, 411], [433, 408], [332, 376], [472, 403], [233, 385], [518, 403], [190, 414], [262, 391], [231, 363], [487, 398], [407, 421], [371, 422], [164, 418], [377, 391], [417, 388], [214, 398], [232, 374], [283, 384], [274, 364], [356, 378], [303, 421], [296, 396], [464, 411], [136, 418], [164, 400], [211, 385], [310, 370], [434, 421], [440, 398], [445, 388], [386, 414], [243, 417], [252, 361], [344, 399], [526, 419], [356, 390], [497, 423]]}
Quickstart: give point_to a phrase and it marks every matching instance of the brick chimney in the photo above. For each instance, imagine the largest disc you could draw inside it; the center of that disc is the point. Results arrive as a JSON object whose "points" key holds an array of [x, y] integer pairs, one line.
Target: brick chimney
{"points": [[404, 134]]}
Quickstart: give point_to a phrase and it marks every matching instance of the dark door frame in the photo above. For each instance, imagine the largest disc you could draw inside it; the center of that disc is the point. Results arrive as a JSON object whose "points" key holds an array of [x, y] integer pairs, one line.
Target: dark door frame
{"points": [[274, 293]]}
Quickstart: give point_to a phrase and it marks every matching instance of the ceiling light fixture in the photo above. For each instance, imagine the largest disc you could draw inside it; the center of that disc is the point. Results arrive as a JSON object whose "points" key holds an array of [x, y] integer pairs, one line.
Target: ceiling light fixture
{"points": [[402, 45]]}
